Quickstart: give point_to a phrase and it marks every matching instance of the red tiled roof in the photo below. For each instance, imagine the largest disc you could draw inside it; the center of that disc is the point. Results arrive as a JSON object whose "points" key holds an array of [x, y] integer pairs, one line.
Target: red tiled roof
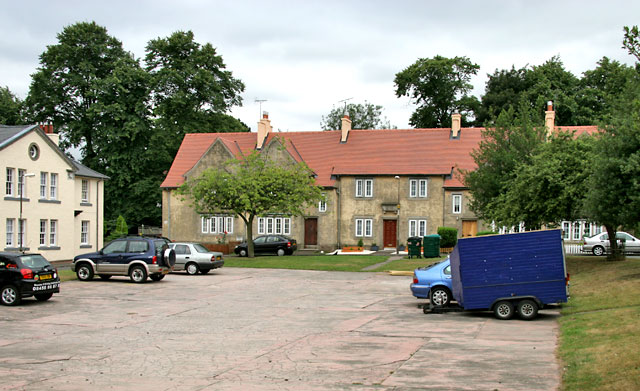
{"points": [[366, 152]]}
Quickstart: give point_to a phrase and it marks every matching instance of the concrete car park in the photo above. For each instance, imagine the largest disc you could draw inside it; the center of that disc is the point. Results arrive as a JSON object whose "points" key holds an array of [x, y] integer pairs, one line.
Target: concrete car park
{"points": [[263, 329]]}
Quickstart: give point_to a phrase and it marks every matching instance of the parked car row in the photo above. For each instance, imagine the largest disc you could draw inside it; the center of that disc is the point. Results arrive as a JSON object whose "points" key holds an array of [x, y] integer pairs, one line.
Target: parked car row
{"points": [[599, 244]]}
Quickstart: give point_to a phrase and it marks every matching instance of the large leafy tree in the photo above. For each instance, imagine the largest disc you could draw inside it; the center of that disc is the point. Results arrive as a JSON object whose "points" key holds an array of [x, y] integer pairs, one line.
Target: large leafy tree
{"points": [[504, 89], [439, 86], [11, 108], [191, 89], [253, 186], [631, 41], [362, 115], [504, 147]]}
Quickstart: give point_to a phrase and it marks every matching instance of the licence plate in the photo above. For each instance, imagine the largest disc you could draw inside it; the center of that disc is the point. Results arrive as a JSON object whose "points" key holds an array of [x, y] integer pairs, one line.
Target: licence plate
{"points": [[44, 287], [45, 276]]}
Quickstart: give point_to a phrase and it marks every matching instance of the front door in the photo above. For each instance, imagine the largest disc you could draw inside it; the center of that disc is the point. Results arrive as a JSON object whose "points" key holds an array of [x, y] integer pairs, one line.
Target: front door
{"points": [[469, 228], [389, 233], [311, 231]]}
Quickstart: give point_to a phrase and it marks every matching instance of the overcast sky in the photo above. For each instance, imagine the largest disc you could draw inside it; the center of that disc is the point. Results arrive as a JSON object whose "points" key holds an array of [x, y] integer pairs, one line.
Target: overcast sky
{"points": [[303, 57]]}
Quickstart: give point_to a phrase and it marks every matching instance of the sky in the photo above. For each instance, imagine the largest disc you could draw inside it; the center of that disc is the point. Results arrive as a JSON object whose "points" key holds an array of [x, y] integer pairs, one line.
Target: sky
{"points": [[304, 57]]}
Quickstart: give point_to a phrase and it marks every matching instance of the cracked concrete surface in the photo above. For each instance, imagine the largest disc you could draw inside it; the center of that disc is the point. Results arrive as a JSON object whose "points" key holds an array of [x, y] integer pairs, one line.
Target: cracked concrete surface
{"points": [[255, 329]]}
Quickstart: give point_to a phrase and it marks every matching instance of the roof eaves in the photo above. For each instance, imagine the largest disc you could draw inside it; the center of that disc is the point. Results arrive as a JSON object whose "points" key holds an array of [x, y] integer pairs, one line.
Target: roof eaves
{"points": [[16, 136]]}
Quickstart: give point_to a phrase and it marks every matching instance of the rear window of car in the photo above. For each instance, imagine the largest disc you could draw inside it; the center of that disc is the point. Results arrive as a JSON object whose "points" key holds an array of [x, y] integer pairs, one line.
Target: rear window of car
{"points": [[200, 248], [159, 244], [34, 261], [138, 246]]}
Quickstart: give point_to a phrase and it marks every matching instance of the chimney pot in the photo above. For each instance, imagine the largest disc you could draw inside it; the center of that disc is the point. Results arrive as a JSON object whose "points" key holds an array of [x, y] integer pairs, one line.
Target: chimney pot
{"points": [[346, 127], [265, 115], [456, 120], [264, 128], [550, 118]]}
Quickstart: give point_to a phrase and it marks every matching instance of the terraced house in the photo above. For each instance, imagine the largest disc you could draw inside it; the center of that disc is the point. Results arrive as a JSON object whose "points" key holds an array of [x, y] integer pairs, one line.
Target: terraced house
{"points": [[51, 204], [381, 186]]}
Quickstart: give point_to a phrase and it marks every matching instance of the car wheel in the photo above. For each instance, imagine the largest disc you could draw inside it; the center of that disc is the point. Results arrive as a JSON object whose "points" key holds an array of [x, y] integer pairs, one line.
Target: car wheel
{"points": [[138, 274], [504, 310], [105, 276], [440, 296], [191, 269], [280, 252], [43, 296], [84, 272], [205, 271], [598, 250], [10, 295], [527, 309], [156, 277], [243, 253]]}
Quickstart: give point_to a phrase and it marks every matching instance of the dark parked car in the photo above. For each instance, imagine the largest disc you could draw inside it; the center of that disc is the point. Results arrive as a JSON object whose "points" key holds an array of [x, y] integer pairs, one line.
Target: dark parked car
{"points": [[138, 257], [269, 244], [26, 275], [194, 258]]}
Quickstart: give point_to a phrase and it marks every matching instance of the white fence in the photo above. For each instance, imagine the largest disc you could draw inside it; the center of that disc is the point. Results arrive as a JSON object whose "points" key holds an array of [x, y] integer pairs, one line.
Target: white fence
{"points": [[573, 249]]}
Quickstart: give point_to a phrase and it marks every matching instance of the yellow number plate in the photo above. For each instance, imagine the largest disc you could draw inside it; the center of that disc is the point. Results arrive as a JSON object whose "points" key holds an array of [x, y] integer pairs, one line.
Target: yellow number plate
{"points": [[45, 276]]}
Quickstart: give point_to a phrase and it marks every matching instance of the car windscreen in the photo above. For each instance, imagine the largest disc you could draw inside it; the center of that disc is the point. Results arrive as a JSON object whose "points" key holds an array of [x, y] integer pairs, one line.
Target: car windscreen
{"points": [[34, 261], [200, 248]]}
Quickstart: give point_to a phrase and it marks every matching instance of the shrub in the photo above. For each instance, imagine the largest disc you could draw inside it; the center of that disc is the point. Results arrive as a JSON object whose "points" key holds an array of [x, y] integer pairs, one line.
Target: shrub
{"points": [[482, 233], [448, 236], [360, 243]]}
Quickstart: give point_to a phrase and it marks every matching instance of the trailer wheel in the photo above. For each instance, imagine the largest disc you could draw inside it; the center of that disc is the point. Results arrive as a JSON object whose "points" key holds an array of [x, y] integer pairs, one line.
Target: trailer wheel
{"points": [[504, 310], [527, 309]]}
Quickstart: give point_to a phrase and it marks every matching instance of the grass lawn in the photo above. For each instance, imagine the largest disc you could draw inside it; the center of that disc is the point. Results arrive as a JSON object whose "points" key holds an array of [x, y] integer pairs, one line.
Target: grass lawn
{"points": [[407, 264], [600, 326], [342, 263], [66, 275]]}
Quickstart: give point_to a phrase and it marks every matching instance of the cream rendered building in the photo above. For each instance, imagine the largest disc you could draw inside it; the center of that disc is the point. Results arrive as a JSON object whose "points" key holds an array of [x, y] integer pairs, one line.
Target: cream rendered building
{"points": [[51, 204]]}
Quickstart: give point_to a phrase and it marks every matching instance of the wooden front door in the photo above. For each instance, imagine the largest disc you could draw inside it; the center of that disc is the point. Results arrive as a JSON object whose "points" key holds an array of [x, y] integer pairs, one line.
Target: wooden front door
{"points": [[311, 231], [469, 228], [390, 231]]}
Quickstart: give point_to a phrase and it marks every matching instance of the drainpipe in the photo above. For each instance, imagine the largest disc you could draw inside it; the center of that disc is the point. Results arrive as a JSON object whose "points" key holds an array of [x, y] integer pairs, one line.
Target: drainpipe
{"points": [[444, 200], [169, 214], [339, 211], [98, 215]]}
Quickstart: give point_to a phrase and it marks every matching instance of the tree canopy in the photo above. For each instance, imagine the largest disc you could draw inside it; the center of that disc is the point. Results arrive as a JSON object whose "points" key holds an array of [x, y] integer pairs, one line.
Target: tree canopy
{"points": [[11, 108], [362, 115], [254, 186], [439, 86]]}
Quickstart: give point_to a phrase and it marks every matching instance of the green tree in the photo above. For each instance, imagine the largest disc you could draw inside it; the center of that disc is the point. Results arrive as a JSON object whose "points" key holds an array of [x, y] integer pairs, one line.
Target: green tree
{"points": [[504, 89], [121, 229], [10, 108], [613, 196], [631, 41], [551, 186], [253, 186], [439, 86], [192, 89], [362, 116], [511, 142]]}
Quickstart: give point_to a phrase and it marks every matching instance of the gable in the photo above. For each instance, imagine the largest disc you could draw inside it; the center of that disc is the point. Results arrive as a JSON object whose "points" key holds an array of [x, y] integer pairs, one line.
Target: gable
{"points": [[214, 156]]}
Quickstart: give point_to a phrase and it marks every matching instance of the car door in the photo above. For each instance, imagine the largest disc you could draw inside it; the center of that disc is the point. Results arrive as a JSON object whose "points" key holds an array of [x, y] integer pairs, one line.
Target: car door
{"points": [[259, 244], [111, 259], [183, 254], [136, 249], [631, 244]]}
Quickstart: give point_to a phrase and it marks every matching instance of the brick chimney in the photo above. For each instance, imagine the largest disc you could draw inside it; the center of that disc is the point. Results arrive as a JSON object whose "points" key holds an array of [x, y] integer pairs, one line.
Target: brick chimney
{"points": [[550, 118], [48, 130], [456, 120], [346, 127], [264, 128]]}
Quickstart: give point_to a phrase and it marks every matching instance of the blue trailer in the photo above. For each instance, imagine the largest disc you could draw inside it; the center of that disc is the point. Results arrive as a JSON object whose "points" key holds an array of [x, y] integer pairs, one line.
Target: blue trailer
{"points": [[508, 274]]}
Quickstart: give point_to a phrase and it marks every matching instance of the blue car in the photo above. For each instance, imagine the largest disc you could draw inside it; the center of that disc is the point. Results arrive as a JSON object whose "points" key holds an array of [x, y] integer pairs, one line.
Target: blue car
{"points": [[433, 282]]}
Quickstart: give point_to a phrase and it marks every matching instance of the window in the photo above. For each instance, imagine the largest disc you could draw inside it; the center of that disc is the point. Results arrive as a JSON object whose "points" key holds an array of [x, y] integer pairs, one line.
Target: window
{"points": [[322, 205], [457, 203], [53, 232], [228, 225], [364, 227], [274, 225], [587, 229], [118, 246], [43, 184], [364, 187], [182, 249], [418, 188], [85, 190], [576, 231], [216, 224], [270, 225], [260, 225], [84, 232], [21, 229], [287, 226], [278, 226], [138, 246], [417, 227], [566, 230], [21, 188], [43, 232], [204, 224], [53, 194], [10, 231], [9, 184]]}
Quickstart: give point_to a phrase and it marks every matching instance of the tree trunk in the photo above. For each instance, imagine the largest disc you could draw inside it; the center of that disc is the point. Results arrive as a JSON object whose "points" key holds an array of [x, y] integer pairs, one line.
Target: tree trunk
{"points": [[249, 224], [615, 253]]}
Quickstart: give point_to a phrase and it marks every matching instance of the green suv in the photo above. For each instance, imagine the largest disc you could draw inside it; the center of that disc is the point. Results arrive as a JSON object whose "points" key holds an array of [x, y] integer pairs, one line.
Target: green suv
{"points": [[138, 257]]}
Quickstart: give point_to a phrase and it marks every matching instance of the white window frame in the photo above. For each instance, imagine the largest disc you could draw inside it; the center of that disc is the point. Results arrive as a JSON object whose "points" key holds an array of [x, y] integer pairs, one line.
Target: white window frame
{"points": [[274, 225], [364, 228], [418, 188], [575, 235], [261, 225], [84, 232], [9, 188], [43, 184], [270, 225], [43, 232], [228, 225], [204, 224], [21, 183], [53, 232], [456, 201], [286, 226], [364, 188], [85, 191], [322, 206], [566, 230], [278, 226], [22, 229], [53, 186], [417, 227], [10, 233]]}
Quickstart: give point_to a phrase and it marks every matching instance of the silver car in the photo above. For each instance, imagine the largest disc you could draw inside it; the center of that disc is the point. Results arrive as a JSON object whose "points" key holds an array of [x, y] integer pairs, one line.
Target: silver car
{"points": [[194, 258], [599, 244]]}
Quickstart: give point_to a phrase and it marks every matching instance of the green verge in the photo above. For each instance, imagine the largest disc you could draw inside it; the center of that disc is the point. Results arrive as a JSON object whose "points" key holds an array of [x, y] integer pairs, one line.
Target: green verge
{"points": [[66, 275], [407, 264], [342, 263], [600, 326]]}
